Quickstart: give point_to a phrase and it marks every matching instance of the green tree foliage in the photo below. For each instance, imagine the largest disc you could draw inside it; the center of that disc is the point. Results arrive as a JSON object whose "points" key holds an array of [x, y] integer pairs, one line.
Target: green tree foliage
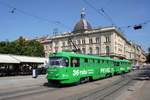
{"points": [[22, 47], [148, 56]]}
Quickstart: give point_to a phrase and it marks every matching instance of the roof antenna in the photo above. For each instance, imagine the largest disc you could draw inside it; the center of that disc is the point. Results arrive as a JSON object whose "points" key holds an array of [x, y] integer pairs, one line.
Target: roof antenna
{"points": [[83, 13]]}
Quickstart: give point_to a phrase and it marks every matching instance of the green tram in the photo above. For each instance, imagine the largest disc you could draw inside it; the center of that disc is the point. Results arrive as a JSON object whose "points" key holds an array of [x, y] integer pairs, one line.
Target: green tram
{"points": [[69, 67]]}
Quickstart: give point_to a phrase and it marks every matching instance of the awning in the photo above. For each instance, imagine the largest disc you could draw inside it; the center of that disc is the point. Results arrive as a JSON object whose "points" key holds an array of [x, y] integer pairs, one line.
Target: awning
{"points": [[7, 59]]}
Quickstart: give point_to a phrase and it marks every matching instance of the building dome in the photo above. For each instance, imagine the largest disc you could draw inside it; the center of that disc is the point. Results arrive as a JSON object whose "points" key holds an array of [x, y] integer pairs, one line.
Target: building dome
{"points": [[83, 24]]}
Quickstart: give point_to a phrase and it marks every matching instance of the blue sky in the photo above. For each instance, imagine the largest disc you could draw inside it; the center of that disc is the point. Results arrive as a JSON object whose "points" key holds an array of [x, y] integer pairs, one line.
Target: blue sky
{"points": [[24, 20]]}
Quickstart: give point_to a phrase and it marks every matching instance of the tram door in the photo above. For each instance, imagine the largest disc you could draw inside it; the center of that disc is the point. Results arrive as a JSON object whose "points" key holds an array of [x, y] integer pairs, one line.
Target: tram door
{"points": [[75, 67]]}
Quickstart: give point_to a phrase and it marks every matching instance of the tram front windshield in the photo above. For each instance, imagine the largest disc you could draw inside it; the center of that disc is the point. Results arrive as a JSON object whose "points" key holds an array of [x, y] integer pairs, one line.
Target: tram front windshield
{"points": [[58, 62]]}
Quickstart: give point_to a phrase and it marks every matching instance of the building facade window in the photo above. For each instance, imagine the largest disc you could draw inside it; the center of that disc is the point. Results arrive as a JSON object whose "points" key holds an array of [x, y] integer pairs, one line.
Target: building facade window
{"points": [[90, 50], [115, 48], [46, 47], [69, 43], [64, 44], [74, 41], [56, 43], [107, 39], [83, 51], [79, 42], [90, 41], [83, 41], [97, 40], [107, 50], [97, 51]]}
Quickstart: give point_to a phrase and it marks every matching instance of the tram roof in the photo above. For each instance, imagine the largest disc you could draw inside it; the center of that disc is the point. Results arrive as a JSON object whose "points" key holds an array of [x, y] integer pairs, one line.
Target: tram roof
{"points": [[15, 59], [72, 54], [118, 60]]}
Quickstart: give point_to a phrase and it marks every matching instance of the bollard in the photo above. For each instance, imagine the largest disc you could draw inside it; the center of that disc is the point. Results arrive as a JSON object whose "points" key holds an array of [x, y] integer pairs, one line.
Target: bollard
{"points": [[34, 73]]}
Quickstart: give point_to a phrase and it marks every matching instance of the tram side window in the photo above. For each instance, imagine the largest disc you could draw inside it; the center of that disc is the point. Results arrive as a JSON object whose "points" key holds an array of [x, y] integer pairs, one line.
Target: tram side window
{"points": [[98, 61], [107, 62], [116, 64], [102, 61], [65, 62], [75, 62], [86, 60], [93, 61]]}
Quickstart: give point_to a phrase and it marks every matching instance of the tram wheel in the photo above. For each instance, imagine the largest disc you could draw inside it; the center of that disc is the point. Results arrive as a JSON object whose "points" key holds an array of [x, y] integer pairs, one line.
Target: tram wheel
{"points": [[84, 80]]}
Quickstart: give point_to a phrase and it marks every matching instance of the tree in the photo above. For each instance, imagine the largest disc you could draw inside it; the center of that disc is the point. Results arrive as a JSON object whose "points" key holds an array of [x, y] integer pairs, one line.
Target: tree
{"points": [[2, 47], [34, 48], [22, 46]]}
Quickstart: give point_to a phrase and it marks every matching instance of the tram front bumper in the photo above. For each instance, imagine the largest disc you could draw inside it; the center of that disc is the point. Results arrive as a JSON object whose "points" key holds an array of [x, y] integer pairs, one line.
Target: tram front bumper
{"points": [[57, 77]]}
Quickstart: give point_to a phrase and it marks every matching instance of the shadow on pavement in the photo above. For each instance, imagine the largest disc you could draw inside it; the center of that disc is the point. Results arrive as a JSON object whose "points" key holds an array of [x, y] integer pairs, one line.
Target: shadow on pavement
{"points": [[58, 85]]}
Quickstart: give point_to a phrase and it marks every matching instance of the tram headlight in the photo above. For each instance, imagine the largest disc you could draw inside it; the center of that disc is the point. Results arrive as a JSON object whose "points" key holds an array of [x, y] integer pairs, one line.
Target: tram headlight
{"points": [[64, 75]]}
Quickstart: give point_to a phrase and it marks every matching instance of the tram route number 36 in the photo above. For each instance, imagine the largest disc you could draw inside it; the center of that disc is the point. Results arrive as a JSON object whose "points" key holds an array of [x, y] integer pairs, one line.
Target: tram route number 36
{"points": [[82, 72]]}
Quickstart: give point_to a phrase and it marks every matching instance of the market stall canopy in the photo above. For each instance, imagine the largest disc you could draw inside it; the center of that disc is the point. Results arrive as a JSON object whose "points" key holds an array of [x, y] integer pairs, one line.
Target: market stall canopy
{"points": [[7, 58]]}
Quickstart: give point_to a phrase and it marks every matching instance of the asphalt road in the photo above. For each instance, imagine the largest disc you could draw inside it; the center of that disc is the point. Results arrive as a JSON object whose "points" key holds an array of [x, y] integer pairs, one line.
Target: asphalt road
{"points": [[123, 87]]}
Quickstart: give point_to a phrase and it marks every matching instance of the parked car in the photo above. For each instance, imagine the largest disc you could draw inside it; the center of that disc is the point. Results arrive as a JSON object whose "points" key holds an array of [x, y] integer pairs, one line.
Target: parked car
{"points": [[135, 67]]}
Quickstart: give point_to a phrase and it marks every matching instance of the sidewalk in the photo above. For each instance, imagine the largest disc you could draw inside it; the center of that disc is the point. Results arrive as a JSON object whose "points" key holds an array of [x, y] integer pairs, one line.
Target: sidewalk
{"points": [[142, 93], [21, 81]]}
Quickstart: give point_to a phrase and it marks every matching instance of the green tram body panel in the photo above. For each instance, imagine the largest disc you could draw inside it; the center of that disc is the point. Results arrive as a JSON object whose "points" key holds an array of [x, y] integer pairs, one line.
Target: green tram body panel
{"points": [[68, 67]]}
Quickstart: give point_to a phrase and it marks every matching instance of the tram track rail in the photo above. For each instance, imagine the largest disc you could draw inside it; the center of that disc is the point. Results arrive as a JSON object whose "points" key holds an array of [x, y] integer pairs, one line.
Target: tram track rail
{"points": [[26, 92], [105, 92], [101, 92]]}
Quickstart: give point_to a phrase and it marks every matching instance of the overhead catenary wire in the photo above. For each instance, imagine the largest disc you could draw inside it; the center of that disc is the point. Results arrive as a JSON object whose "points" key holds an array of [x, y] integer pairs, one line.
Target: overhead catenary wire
{"points": [[14, 9], [101, 12], [106, 4], [89, 4], [136, 26], [108, 17]]}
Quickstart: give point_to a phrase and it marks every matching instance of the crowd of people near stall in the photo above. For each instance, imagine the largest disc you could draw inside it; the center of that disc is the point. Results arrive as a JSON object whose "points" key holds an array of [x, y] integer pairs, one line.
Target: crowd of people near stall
{"points": [[14, 69]]}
